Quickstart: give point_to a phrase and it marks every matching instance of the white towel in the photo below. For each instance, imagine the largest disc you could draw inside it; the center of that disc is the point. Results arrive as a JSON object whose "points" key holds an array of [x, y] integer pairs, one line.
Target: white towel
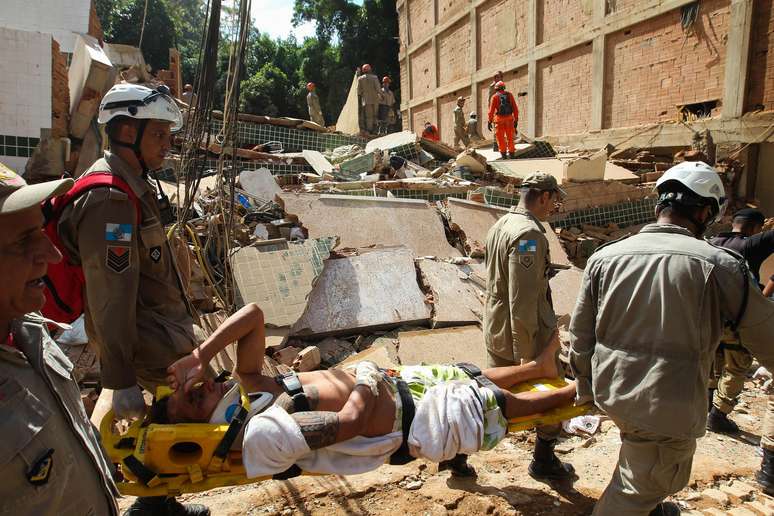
{"points": [[449, 420], [273, 442]]}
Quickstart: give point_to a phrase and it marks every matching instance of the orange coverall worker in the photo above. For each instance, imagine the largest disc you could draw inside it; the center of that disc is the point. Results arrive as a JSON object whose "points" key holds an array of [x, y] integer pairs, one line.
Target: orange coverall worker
{"points": [[431, 133], [506, 124]]}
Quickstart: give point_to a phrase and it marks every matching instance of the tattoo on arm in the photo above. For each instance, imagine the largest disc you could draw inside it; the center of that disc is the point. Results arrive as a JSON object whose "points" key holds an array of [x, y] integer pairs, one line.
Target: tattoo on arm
{"points": [[318, 428], [285, 402]]}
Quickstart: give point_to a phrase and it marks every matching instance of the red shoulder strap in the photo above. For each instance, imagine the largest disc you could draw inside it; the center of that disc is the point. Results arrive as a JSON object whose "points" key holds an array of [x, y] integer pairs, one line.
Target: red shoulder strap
{"points": [[97, 180]]}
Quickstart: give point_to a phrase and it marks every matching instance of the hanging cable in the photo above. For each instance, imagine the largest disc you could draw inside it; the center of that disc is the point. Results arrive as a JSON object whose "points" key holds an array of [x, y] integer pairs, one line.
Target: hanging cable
{"points": [[142, 28]]}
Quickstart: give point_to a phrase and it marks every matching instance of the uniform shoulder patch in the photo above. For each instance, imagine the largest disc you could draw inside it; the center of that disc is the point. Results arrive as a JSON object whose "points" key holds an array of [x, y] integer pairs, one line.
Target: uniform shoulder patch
{"points": [[118, 232], [118, 258], [526, 260]]}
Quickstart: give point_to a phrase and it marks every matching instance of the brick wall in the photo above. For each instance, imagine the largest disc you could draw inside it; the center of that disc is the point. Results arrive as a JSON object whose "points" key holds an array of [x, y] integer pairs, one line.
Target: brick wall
{"points": [[421, 18], [516, 82], [95, 27], [404, 84], [502, 31], [760, 87], [421, 114], [564, 92], [422, 72], [60, 93], [652, 67], [621, 6], [448, 9], [557, 18], [446, 105], [454, 52], [403, 34]]}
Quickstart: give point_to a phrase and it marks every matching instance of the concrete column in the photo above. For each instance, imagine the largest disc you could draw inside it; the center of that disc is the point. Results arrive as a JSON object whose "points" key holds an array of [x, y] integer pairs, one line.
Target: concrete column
{"points": [[598, 10], [597, 82], [737, 58], [410, 94], [436, 64], [475, 102], [532, 104]]}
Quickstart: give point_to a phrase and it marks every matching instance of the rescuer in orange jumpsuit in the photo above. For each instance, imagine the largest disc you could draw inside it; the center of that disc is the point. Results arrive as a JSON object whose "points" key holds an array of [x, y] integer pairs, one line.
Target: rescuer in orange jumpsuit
{"points": [[505, 114]]}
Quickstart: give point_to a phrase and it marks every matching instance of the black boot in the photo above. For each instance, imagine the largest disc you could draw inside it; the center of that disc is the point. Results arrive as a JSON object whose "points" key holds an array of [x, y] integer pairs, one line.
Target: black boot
{"points": [[504, 155], [710, 396], [511, 155], [494, 147], [459, 467], [163, 506], [665, 509], [765, 476], [546, 465], [718, 422]]}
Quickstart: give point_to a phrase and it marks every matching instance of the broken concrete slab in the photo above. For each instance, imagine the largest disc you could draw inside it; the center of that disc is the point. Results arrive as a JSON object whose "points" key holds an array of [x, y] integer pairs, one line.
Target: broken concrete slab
{"points": [[333, 350], [392, 141], [351, 169], [443, 346], [384, 355], [279, 275], [88, 79], [260, 184], [472, 159], [565, 170], [475, 219], [587, 168], [374, 290], [369, 221], [565, 287], [456, 300], [318, 162]]}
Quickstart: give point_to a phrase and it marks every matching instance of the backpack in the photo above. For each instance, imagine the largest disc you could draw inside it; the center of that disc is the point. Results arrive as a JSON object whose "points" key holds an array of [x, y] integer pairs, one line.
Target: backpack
{"points": [[505, 104], [64, 281]]}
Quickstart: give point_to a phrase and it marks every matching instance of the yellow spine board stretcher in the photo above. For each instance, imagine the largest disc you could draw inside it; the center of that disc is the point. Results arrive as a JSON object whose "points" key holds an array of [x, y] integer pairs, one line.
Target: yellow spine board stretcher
{"points": [[180, 456]]}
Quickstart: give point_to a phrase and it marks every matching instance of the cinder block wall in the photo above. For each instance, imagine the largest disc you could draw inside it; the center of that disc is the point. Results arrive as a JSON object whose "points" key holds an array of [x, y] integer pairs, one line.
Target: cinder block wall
{"points": [[586, 65]]}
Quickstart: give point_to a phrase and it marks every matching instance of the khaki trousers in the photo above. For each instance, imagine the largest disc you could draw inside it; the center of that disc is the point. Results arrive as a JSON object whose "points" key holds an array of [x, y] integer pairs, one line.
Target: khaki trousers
{"points": [[767, 432], [548, 433], [370, 112], [650, 468], [461, 135], [731, 365]]}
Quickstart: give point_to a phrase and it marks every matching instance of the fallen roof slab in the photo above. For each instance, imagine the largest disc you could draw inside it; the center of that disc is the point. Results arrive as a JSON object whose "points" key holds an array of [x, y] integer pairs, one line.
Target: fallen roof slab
{"points": [[376, 289], [456, 301], [565, 287], [392, 141], [475, 219], [279, 280], [318, 162], [369, 221], [443, 346]]}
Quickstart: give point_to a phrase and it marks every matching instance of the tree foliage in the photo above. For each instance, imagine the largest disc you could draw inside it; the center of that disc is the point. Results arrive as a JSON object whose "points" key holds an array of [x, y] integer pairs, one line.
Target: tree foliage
{"points": [[275, 72]]}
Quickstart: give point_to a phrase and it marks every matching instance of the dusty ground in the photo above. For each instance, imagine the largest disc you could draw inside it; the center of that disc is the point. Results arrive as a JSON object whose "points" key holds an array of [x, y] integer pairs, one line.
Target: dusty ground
{"points": [[721, 483]]}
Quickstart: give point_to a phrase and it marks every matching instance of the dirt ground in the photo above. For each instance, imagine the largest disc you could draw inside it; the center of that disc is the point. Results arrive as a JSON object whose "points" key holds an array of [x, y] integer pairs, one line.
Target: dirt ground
{"points": [[722, 481]]}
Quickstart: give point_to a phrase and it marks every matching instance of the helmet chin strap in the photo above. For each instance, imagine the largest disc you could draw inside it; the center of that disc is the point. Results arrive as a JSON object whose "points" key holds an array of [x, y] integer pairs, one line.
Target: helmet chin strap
{"points": [[135, 147]]}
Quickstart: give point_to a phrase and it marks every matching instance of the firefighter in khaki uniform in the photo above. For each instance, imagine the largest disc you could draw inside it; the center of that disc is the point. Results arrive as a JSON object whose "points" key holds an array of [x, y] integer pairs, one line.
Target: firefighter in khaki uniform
{"points": [[51, 462], [136, 312], [519, 319], [644, 331]]}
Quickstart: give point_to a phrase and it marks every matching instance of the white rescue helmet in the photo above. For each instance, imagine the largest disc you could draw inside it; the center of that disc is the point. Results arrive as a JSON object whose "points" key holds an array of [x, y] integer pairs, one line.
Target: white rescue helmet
{"points": [[141, 103], [699, 178]]}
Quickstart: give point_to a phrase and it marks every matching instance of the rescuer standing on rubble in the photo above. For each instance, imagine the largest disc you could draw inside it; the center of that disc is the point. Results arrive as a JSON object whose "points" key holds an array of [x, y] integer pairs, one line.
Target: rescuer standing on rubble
{"points": [[472, 127], [460, 131], [136, 311], [386, 106], [732, 360], [369, 91], [52, 461], [498, 77], [642, 349], [519, 319], [313, 103], [505, 114]]}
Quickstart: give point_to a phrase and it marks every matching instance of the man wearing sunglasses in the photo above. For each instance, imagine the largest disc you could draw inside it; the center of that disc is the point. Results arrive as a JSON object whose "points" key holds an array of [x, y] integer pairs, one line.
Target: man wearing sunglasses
{"points": [[136, 311]]}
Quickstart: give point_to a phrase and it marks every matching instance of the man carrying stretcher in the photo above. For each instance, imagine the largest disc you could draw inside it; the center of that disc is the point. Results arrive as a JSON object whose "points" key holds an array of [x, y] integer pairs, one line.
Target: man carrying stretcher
{"points": [[353, 420]]}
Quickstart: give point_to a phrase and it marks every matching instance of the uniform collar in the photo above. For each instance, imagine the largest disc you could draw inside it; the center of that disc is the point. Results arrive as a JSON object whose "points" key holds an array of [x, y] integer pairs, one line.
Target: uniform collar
{"points": [[523, 211], [122, 169], [666, 228]]}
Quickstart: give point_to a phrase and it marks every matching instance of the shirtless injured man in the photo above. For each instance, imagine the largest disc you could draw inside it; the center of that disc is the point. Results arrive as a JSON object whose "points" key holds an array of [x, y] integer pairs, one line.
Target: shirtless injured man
{"points": [[352, 420]]}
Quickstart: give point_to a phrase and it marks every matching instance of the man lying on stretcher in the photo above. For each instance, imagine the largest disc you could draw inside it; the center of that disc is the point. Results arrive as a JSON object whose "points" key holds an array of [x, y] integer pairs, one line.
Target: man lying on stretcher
{"points": [[352, 421]]}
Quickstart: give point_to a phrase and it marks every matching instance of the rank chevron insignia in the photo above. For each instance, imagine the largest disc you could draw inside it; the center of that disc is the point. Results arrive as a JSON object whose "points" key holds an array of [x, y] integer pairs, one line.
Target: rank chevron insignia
{"points": [[118, 258]]}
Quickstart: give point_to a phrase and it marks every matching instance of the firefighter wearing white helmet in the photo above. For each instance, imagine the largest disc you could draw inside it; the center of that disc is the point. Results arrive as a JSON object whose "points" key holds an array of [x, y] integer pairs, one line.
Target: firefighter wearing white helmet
{"points": [[648, 319], [136, 311]]}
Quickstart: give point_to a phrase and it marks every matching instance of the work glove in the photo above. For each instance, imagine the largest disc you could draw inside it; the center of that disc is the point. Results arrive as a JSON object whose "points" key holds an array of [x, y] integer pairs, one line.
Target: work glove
{"points": [[367, 373], [128, 403], [489, 126]]}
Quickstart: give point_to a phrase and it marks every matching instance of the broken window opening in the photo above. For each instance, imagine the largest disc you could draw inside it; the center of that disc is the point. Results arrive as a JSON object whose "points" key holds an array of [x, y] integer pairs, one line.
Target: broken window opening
{"points": [[696, 110]]}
